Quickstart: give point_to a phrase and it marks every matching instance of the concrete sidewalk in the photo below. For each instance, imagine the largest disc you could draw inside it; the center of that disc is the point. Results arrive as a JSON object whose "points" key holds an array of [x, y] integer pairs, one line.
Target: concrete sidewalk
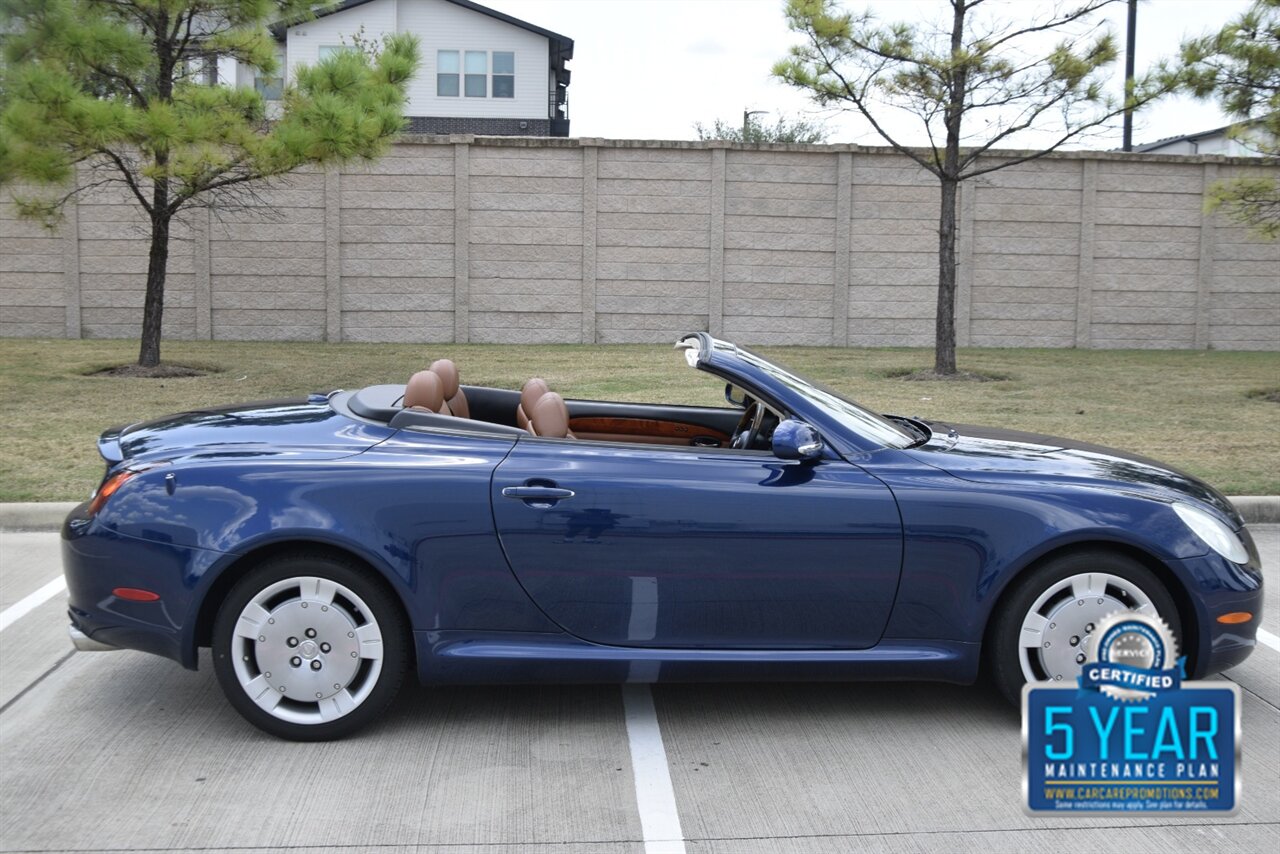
{"points": [[48, 516]]}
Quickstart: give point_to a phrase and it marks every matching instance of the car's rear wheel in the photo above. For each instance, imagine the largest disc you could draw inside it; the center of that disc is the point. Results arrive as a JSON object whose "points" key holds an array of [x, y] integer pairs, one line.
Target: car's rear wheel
{"points": [[1044, 631], [309, 648]]}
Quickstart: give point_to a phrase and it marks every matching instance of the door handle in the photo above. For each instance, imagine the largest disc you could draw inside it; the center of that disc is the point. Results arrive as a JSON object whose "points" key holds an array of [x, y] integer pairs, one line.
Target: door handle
{"points": [[537, 496]]}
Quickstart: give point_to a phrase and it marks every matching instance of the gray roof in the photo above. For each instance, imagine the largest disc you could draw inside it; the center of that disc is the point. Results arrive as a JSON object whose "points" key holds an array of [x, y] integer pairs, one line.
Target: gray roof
{"points": [[1190, 137]]}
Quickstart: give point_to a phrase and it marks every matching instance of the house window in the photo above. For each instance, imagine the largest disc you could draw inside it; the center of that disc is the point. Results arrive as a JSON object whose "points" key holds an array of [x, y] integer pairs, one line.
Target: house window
{"points": [[477, 76], [468, 73], [447, 73], [504, 74], [328, 50], [270, 88]]}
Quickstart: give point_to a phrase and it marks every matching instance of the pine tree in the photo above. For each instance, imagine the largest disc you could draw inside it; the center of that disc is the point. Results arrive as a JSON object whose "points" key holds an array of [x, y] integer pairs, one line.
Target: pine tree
{"points": [[974, 84], [115, 93], [1240, 67]]}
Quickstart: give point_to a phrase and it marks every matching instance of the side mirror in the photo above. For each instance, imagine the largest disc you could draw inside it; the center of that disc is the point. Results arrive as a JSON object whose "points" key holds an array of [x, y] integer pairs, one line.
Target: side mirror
{"points": [[795, 440]]}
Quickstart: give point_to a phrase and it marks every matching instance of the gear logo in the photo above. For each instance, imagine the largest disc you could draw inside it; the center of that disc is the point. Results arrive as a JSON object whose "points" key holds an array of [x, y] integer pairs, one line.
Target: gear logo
{"points": [[1135, 658]]}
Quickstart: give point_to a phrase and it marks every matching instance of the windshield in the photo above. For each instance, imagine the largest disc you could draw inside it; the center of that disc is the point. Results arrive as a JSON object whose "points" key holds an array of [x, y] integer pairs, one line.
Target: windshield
{"points": [[856, 418]]}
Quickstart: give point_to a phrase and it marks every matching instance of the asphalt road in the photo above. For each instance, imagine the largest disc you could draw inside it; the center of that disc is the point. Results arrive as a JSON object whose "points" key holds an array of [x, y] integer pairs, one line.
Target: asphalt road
{"points": [[127, 752]]}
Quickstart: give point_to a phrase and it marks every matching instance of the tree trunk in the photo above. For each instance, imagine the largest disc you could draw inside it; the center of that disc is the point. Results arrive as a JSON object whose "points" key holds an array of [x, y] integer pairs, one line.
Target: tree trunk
{"points": [[157, 268], [944, 339], [153, 307], [944, 353], [161, 214]]}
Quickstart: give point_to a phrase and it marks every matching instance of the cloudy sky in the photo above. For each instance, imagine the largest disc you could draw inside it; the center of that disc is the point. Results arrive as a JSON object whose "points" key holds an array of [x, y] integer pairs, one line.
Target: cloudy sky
{"points": [[649, 69]]}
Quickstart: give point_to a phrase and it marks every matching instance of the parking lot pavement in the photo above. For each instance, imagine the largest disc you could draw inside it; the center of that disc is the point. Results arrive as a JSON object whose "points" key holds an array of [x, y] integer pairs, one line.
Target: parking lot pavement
{"points": [[124, 751], [28, 562]]}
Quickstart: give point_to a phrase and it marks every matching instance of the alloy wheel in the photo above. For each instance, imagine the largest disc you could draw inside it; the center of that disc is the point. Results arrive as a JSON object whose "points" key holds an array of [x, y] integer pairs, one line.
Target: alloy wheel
{"points": [[307, 650], [1058, 630]]}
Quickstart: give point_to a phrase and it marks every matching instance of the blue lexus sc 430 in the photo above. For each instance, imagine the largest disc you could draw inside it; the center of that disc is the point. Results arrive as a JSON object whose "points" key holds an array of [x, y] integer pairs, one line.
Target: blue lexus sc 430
{"points": [[325, 547]]}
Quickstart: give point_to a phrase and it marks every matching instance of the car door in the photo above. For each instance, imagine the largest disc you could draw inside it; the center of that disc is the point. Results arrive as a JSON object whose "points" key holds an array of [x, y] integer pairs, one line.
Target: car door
{"points": [[652, 545]]}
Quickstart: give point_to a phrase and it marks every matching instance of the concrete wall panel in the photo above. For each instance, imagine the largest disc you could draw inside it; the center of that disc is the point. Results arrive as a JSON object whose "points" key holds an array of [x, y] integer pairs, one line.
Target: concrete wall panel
{"points": [[546, 240]]}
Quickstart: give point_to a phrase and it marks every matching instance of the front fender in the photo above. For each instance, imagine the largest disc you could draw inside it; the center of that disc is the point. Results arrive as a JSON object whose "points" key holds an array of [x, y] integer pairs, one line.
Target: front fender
{"points": [[965, 543]]}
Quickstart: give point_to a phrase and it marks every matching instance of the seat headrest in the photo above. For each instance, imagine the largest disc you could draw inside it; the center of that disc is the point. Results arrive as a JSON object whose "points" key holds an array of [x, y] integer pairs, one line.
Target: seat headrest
{"points": [[531, 391], [447, 371], [550, 416], [423, 391]]}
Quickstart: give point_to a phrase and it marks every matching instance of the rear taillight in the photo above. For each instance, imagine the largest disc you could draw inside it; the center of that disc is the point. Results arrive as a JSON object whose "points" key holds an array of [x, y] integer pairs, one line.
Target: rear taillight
{"points": [[108, 489], [113, 483]]}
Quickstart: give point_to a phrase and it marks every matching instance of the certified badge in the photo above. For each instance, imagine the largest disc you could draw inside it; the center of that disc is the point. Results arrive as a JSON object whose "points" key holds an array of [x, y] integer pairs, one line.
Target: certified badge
{"points": [[1134, 658], [1132, 737]]}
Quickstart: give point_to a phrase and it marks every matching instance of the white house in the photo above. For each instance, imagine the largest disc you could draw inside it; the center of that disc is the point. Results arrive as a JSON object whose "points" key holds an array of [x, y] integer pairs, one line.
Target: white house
{"points": [[482, 71], [1216, 141]]}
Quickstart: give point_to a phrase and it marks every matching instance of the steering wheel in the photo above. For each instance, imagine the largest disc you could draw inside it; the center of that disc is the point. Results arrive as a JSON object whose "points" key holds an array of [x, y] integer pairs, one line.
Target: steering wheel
{"points": [[744, 435]]}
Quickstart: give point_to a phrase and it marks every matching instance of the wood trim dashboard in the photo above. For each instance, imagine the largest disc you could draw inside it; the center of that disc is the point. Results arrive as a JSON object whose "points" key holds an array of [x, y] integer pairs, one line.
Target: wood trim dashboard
{"points": [[652, 430]]}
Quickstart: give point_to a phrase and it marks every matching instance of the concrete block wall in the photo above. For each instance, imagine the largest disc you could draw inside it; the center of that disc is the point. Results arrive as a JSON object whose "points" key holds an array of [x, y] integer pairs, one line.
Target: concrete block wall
{"points": [[525, 246], [650, 256], [266, 276], [1022, 290], [780, 244], [33, 282], [1240, 288], [391, 270], [893, 249], [524, 240]]}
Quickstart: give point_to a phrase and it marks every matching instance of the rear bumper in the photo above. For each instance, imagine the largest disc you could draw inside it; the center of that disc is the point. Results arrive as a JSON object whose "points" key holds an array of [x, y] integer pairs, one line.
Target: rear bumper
{"points": [[84, 643], [95, 561]]}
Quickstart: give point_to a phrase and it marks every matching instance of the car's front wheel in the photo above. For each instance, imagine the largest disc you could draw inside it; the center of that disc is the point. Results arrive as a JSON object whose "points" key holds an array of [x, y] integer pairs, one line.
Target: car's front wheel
{"points": [[1045, 629], [309, 647]]}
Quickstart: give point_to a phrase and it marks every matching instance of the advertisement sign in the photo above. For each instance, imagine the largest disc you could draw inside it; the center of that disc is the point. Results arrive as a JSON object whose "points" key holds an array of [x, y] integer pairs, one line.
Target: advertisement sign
{"points": [[1131, 736]]}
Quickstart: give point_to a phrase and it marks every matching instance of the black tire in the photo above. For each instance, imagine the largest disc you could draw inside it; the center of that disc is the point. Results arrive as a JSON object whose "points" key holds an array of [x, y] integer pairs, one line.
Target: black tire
{"points": [[335, 643], [1003, 655]]}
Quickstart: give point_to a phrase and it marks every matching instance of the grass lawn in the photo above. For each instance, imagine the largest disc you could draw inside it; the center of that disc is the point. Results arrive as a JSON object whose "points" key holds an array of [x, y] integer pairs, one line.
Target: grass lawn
{"points": [[1192, 409]]}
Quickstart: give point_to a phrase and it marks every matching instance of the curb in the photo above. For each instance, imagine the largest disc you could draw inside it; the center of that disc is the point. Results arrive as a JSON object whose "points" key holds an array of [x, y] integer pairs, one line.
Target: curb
{"points": [[1257, 509], [48, 516], [34, 515]]}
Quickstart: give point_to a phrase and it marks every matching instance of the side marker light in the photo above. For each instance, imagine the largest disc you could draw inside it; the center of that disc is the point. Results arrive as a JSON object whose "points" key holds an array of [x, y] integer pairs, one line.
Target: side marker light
{"points": [[135, 594]]}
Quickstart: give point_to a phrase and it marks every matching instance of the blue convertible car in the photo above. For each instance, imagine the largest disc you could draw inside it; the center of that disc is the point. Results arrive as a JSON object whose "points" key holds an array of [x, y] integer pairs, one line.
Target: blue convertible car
{"points": [[324, 547]]}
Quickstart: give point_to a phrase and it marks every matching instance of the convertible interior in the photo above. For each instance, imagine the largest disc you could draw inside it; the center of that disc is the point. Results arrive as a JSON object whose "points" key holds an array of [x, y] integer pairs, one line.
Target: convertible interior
{"points": [[435, 399]]}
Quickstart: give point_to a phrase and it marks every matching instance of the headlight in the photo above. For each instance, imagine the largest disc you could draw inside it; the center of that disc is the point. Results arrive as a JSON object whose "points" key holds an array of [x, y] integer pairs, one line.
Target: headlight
{"points": [[1214, 533]]}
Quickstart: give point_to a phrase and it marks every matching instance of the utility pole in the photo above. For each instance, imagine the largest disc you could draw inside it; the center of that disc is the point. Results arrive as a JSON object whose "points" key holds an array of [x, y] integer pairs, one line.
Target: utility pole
{"points": [[1127, 145], [746, 121]]}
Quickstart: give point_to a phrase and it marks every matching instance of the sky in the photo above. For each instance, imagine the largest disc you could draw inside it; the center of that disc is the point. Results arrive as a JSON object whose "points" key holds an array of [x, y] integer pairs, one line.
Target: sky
{"points": [[650, 69]]}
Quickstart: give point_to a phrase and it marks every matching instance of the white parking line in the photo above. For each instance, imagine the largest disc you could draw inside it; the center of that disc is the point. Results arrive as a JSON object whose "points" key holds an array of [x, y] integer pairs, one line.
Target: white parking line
{"points": [[1269, 639], [29, 603], [655, 797]]}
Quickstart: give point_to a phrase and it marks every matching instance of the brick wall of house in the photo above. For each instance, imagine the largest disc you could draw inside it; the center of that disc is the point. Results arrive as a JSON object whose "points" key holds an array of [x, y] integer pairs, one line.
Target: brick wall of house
{"points": [[476, 125]]}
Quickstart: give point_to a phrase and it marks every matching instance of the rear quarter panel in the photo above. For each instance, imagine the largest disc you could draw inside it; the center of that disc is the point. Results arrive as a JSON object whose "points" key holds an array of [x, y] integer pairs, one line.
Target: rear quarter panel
{"points": [[415, 508]]}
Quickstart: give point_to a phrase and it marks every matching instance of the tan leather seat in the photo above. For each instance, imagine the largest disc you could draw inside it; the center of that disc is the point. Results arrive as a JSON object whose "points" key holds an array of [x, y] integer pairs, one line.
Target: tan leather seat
{"points": [[550, 418], [455, 398], [423, 392], [530, 392]]}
